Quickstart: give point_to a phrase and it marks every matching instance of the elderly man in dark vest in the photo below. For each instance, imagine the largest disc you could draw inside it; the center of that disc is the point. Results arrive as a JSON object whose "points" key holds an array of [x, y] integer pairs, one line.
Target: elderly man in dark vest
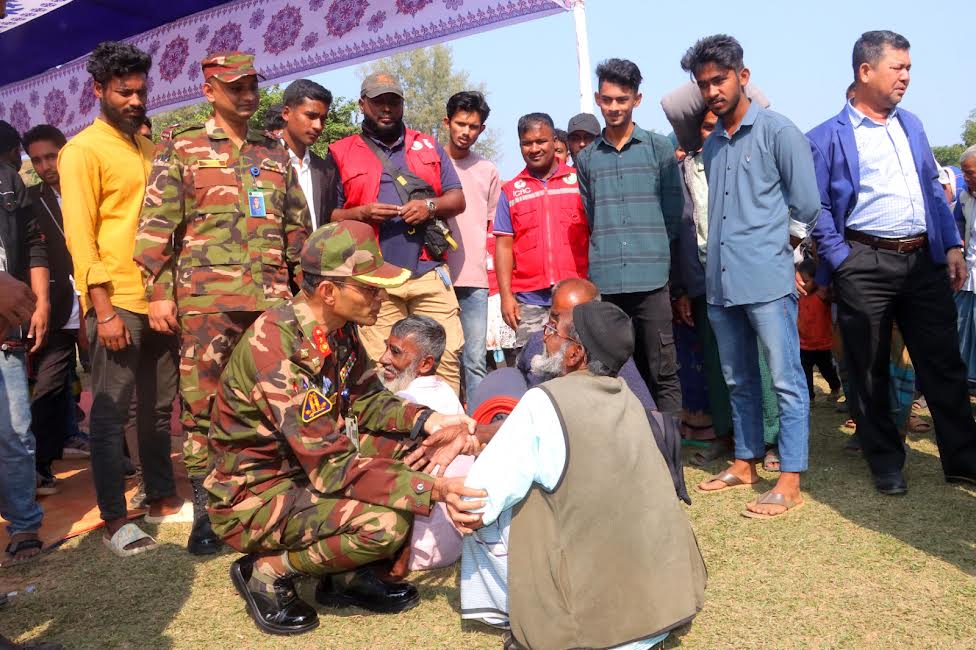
{"points": [[598, 552]]}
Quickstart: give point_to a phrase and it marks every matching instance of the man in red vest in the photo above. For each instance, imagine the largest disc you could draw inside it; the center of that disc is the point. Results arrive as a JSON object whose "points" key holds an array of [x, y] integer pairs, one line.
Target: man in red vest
{"points": [[369, 192], [541, 232]]}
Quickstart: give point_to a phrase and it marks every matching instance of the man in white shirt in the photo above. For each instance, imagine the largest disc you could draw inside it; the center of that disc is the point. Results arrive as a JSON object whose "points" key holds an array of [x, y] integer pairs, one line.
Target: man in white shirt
{"points": [[408, 368], [578, 450], [306, 107]]}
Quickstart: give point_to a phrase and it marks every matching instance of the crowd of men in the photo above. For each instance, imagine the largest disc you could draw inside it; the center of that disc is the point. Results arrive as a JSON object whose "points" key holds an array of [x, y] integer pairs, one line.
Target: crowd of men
{"points": [[325, 322]]}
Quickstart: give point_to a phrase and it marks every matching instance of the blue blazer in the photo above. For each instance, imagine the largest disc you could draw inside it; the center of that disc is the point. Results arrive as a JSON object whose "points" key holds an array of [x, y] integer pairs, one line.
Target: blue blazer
{"points": [[836, 163]]}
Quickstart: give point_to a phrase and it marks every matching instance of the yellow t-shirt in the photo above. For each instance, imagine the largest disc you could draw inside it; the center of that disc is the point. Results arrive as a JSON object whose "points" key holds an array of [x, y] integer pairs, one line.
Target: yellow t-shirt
{"points": [[103, 181]]}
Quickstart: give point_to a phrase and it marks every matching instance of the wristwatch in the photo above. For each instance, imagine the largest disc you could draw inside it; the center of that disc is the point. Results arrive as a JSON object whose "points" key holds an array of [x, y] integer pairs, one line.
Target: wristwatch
{"points": [[431, 207], [418, 426]]}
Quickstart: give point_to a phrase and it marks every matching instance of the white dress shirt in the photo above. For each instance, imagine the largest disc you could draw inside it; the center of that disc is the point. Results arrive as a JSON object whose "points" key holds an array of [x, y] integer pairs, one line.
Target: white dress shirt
{"points": [[303, 167]]}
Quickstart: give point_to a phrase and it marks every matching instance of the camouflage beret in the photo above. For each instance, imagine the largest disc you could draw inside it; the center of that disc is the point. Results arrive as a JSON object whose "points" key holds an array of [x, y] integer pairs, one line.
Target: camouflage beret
{"points": [[348, 249], [229, 66]]}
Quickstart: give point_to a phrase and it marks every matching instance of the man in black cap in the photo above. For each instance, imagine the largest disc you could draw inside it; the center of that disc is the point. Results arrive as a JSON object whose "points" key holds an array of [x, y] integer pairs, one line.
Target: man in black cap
{"points": [[576, 450], [582, 129]]}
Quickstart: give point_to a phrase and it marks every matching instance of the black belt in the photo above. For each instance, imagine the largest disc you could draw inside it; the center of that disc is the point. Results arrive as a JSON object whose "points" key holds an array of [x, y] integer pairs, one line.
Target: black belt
{"points": [[900, 245]]}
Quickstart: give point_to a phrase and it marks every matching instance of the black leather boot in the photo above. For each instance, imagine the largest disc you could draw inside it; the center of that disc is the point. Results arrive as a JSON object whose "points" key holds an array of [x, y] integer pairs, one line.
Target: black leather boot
{"points": [[366, 590], [279, 611], [202, 540]]}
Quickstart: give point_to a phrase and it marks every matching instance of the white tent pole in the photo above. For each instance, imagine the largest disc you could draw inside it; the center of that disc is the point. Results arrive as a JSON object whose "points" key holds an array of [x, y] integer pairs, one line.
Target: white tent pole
{"points": [[583, 58]]}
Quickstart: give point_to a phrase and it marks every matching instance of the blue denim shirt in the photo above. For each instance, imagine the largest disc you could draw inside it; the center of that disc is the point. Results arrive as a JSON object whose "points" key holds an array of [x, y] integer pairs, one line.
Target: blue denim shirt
{"points": [[761, 189]]}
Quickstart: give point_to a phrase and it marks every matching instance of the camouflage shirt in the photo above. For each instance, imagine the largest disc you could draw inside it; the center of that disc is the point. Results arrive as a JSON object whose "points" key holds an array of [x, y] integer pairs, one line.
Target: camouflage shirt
{"points": [[266, 438], [221, 227]]}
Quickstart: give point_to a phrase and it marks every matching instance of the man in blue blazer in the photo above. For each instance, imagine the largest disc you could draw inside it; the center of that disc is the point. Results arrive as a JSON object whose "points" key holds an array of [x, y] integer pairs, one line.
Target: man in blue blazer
{"points": [[888, 243]]}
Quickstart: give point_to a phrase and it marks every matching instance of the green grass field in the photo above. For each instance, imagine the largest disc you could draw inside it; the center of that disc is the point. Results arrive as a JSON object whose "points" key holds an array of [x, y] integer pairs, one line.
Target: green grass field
{"points": [[851, 569]]}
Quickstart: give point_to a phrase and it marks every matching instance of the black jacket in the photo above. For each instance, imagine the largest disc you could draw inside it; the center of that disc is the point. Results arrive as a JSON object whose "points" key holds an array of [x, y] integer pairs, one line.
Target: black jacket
{"points": [[47, 215], [19, 235], [325, 176]]}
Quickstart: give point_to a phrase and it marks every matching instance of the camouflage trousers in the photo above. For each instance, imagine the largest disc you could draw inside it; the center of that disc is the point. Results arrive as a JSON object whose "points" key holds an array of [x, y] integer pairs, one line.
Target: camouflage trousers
{"points": [[206, 341], [325, 534]]}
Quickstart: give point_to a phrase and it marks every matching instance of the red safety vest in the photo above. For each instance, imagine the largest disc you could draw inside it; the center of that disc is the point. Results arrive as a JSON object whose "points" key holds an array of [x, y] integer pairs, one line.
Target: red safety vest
{"points": [[360, 171], [552, 236]]}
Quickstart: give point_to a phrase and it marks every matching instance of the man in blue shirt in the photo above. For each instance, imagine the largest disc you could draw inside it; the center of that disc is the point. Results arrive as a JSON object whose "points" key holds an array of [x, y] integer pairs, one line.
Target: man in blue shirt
{"points": [[888, 243], [631, 190], [762, 194]]}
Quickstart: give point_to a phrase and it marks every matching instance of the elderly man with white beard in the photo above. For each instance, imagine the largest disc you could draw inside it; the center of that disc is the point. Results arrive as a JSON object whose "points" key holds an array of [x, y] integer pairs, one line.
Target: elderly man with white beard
{"points": [[407, 368], [580, 541]]}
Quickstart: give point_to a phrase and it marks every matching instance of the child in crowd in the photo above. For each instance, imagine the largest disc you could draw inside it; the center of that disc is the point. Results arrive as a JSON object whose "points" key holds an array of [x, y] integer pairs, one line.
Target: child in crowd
{"points": [[816, 334]]}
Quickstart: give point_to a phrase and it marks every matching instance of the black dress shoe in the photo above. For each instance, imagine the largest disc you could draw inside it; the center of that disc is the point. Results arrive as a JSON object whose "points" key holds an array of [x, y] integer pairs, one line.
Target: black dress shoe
{"points": [[366, 590], [892, 483], [282, 612], [960, 477]]}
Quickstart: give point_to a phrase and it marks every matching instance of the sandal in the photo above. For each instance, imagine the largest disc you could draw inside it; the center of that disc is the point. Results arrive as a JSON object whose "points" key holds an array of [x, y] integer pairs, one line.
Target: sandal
{"points": [[773, 499], [770, 459], [918, 425], [15, 548], [719, 448], [128, 534], [731, 481], [182, 516]]}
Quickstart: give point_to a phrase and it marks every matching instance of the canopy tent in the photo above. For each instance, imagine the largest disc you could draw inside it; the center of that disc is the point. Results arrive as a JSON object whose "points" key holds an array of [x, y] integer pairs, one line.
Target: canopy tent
{"points": [[44, 43]]}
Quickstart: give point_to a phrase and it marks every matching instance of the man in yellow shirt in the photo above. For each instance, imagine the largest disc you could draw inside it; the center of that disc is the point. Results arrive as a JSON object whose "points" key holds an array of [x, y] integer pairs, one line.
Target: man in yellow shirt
{"points": [[103, 179]]}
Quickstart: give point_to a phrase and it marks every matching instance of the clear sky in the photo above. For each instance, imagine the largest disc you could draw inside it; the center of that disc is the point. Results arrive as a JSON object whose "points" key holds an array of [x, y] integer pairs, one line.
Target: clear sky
{"points": [[799, 54]]}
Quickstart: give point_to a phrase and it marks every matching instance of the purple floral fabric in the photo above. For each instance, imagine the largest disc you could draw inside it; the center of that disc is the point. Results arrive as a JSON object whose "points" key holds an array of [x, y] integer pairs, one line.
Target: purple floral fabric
{"points": [[289, 38]]}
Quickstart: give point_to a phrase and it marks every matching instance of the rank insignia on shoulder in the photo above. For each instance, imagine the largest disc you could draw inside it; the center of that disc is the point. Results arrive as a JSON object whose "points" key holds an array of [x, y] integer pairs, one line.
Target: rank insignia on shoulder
{"points": [[315, 405], [210, 163], [321, 340]]}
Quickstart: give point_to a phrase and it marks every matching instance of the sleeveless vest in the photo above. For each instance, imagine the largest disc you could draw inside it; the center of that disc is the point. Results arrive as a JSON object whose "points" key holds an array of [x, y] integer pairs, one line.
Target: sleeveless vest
{"points": [[552, 236], [609, 555]]}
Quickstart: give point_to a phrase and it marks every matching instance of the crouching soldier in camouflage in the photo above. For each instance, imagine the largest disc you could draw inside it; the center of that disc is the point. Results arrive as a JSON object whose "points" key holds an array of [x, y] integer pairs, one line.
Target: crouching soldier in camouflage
{"points": [[309, 450], [222, 229]]}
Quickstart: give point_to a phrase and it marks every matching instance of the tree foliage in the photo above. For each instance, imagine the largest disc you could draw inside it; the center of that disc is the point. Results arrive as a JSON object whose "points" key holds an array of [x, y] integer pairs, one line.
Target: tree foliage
{"points": [[949, 154], [341, 120], [428, 78]]}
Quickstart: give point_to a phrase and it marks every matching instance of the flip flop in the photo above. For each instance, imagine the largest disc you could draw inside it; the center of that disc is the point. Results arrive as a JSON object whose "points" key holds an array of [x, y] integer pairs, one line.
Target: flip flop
{"points": [[918, 425], [13, 548], [772, 499], [718, 448], [772, 456], [731, 482], [126, 535], [183, 516]]}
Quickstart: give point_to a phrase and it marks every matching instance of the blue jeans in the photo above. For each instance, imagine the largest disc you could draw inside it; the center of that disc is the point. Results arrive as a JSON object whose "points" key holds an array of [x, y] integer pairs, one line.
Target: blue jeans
{"points": [[474, 324], [17, 480], [773, 325]]}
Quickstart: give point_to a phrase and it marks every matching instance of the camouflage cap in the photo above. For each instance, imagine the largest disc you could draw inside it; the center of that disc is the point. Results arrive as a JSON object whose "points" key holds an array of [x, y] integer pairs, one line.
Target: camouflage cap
{"points": [[348, 249], [380, 83], [229, 66]]}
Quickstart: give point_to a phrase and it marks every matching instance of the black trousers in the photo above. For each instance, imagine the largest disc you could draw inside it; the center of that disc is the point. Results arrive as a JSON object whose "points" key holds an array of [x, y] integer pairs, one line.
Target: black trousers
{"points": [[50, 397], [824, 361], [654, 350], [147, 369], [875, 287]]}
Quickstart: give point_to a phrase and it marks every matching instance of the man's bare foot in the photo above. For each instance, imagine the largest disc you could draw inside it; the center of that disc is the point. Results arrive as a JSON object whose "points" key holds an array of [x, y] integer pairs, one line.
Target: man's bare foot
{"points": [[165, 506], [744, 470], [26, 552], [789, 486], [113, 526]]}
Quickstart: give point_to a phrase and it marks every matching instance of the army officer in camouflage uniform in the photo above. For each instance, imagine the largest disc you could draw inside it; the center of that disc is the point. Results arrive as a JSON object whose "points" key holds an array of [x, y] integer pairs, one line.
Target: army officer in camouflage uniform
{"points": [[308, 448], [222, 229]]}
